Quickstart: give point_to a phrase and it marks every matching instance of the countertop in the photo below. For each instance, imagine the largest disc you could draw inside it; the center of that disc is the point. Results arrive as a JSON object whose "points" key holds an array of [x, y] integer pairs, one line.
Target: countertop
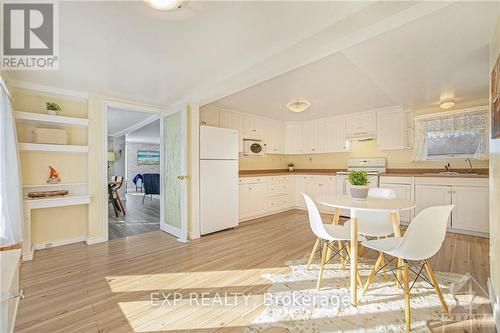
{"points": [[481, 173]]}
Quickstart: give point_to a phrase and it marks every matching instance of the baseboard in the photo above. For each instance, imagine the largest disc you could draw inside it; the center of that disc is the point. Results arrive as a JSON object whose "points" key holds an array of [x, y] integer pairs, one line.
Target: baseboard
{"points": [[54, 243], [96, 239], [495, 304], [192, 235]]}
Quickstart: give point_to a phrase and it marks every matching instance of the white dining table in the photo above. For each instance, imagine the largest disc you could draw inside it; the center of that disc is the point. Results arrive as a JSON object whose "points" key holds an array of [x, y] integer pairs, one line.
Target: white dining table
{"points": [[393, 206]]}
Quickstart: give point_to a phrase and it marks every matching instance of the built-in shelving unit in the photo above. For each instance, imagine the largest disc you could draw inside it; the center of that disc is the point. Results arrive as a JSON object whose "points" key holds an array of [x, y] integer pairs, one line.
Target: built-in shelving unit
{"points": [[68, 200], [50, 119], [53, 148], [77, 191]]}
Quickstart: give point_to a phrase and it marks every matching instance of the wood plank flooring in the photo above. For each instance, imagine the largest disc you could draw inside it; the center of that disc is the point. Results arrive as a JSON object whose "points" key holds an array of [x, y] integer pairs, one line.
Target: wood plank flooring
{"points": [[140, 217], [107, 287]]}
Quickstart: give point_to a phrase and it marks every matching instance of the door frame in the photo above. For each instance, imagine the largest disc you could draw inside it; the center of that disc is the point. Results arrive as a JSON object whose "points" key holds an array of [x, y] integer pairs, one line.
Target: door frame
{"points": [[106, 104], [182, 234]]}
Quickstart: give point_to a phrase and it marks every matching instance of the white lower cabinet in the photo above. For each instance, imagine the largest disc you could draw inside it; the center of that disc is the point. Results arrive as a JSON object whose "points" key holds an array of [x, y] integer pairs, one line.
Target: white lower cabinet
{"points": [[470, 197], [252, 200], [471, 208]]}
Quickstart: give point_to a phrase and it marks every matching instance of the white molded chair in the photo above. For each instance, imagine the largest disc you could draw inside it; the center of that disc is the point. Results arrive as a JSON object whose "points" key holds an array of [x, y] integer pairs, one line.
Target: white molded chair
{"points": [[375, 224], [327, 234], [422, 240]]}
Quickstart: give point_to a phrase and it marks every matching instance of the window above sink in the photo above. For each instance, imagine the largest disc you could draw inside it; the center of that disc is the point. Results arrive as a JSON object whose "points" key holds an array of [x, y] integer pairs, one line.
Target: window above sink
{"points": [[452, 135]]}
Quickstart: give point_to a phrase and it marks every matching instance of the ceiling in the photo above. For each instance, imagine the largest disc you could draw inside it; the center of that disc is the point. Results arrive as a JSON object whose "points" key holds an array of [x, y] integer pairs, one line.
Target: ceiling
{"points": [[147, 134], [128, 50], [444, 51], [119, 121]]}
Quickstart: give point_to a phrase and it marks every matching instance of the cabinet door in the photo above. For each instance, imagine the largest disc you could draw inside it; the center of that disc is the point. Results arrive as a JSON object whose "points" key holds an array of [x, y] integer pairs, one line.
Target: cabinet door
{"points": [[314, 136], [300, 187], [294, 134], [234, 121], [253, 127], [335, 135], [432, 195], [244, 199], [274, 137], [471, 210], [209, 116], [403, 191], [258, 199], [361, 123], [391, 129]]}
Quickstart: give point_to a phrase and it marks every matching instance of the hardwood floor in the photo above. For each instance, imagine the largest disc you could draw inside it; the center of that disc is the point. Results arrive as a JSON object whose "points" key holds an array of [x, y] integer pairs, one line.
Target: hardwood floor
{"points": [[108, 287], [140, 217]]}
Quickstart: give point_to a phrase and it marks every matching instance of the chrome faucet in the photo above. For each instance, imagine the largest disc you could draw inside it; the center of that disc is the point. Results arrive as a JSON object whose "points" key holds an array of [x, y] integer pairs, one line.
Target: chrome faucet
{"points": [[470, 165]]}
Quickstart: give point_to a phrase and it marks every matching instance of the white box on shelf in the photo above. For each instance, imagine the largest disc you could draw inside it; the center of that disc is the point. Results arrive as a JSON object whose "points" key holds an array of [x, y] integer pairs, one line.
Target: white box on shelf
{"points": [[50, 136]]}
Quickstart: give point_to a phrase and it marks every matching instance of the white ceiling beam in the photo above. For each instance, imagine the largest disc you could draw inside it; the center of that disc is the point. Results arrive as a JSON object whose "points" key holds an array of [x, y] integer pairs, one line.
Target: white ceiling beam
{"points": [[368, 23]]}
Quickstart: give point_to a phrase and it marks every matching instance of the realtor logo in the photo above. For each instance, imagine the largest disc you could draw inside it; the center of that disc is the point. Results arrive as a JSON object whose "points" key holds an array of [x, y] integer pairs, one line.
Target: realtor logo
{"points": [[30, 36]]}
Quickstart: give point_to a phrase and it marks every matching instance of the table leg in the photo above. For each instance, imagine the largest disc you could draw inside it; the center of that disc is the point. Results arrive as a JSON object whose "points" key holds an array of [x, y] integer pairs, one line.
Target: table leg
{"points": [[354, 257], [397, 233]]}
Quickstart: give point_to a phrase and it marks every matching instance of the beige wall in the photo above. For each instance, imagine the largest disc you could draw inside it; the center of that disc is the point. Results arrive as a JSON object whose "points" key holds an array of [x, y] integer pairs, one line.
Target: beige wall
{"points": [[495, 184], [395, 158], [53, 224]]}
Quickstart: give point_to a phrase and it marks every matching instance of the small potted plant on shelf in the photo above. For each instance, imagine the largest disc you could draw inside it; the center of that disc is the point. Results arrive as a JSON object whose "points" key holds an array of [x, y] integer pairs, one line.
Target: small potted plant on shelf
{"points": [[52, 108], [359, 184], [290, 167]]}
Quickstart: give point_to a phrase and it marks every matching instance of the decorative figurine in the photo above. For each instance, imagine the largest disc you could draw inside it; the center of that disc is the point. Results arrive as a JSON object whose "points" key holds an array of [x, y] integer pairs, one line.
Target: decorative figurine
{"points": [[53, 176]]}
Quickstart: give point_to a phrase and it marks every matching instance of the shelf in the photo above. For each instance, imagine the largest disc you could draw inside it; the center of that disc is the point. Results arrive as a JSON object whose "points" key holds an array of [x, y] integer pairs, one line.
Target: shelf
{"points": [[54, 185], [50, 119], [53, 148], [69, 200]]}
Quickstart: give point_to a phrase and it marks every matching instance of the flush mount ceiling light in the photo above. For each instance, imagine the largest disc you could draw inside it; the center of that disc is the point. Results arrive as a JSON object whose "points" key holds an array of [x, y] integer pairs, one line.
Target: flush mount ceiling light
{"points": [[165, 4], [298, 105], [446, 102]]}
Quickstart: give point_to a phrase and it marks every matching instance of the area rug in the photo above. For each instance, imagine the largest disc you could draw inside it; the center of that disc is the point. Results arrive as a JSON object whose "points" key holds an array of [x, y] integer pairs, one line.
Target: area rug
{"points": [[293, 303]]}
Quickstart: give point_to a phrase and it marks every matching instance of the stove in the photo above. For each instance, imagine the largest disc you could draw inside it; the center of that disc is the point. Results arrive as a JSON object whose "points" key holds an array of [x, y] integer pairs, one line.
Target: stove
{"points": [[373, 166]]}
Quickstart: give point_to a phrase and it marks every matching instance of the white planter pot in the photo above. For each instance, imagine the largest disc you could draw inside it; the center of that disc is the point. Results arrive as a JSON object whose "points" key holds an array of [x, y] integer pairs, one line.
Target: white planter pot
{"points": [[359, 192], [52, 112], [290, 169]]}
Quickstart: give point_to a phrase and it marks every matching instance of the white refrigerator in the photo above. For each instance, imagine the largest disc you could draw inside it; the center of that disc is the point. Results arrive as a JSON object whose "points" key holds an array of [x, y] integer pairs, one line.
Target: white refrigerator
{"points": [[218, 179]]}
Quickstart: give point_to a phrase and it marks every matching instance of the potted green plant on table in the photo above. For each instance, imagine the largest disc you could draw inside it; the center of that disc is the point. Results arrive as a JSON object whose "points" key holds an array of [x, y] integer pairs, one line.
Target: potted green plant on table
{"points": [[52, 108], [290, 167], [359, 184]]}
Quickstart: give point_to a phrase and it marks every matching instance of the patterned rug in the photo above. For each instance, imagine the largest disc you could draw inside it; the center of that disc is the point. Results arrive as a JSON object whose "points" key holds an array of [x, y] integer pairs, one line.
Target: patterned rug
{"points": [[292, 302]]}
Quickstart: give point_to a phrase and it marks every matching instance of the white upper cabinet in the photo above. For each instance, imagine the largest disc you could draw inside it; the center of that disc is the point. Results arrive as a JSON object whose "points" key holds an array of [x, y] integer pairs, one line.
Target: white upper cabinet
{"points": [[294, 138], [209, 116], [391, 129], [253, 127], [335, 134], [275, 136], [234, 121], [231, 120], [361, 125], [314, 136]]}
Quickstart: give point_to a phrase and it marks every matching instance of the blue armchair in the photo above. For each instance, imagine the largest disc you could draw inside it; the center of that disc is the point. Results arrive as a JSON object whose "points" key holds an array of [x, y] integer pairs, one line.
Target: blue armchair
{"points": [[151, 184]]}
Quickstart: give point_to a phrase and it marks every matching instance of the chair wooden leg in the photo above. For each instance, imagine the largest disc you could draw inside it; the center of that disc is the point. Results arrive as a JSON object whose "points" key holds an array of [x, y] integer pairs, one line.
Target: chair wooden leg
{"points": [[373, 272], [321, 266], [342, 260], [436, 286], [382, 264], [361, 251], [313, 252], [406, 285]]}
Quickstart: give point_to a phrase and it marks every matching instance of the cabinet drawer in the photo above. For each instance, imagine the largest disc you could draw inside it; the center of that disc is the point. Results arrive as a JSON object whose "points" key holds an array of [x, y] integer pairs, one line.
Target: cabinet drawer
{"points": [[251, 180], [277, 179], [278, 203], [276, 189]]}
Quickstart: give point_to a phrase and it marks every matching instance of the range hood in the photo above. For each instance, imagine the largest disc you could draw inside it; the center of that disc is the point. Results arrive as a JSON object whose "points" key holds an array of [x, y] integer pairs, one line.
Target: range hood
{"points": [[361, 136]]}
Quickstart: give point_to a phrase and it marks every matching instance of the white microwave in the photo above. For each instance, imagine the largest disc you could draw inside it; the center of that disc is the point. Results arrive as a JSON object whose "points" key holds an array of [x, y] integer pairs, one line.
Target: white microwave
{"points": [[253, 148]]}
